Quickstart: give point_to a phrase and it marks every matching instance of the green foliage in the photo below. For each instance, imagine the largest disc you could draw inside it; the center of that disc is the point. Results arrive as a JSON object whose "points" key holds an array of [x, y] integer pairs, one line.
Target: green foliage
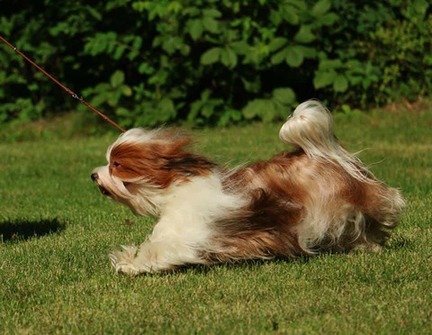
{"points": [[404, 52], [386, 56], [272, 108], [212, 62]]}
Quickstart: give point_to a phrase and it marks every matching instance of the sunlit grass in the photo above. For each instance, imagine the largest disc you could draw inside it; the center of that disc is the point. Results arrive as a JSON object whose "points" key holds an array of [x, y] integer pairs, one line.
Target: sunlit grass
{"points": [[56, 231]]}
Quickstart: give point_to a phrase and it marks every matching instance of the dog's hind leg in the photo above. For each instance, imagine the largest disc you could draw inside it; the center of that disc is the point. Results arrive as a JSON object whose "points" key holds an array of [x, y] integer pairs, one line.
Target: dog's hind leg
{"points": [[382, 212]]}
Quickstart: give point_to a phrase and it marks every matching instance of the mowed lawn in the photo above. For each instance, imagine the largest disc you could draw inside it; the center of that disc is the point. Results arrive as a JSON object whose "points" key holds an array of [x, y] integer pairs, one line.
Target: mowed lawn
{"points": [[56, 231]]}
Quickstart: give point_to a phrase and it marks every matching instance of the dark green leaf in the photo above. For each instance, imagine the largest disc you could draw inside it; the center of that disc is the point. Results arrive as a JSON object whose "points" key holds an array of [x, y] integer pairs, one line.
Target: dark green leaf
{"points": [[320, 8], [210, 24], [304, 35], [279, 57], [275, 17], [117, 78], [196, 29], [126, 90], [328, 19], [308, 52], [207, 110], [420, 6], [324, 78], [145, 68], [121, 111], [119, 51], [240, 47], [214, 13], [167, 109], [290, 14], [253, 86], [228, 57], [94, 13], [268, 114], [264, 109], [285, 96], [211, 56], [172, 44], [330, 64], [294, 56], [340, 83], [277, 43], [256, 108]]}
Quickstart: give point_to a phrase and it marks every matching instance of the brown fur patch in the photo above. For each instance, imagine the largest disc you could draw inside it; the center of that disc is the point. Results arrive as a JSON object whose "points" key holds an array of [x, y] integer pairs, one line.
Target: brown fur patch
{"points": [[158, 163], [266, 227]]}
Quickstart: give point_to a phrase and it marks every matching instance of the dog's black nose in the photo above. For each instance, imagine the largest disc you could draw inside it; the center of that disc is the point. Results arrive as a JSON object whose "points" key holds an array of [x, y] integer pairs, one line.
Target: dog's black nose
{"points": [[94, 176]]}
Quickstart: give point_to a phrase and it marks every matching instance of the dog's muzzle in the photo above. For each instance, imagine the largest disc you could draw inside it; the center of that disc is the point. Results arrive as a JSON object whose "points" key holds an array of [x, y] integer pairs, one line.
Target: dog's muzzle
{"points": [[103, 190]]}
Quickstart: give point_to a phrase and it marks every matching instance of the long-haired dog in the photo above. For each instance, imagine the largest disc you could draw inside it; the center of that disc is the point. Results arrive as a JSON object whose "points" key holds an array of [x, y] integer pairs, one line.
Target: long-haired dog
{"points": [[316, 198]]}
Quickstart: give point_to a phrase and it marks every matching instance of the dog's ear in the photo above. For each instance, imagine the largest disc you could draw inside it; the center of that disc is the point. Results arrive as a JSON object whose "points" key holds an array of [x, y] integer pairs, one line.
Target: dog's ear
{"points": [[159, 161]]}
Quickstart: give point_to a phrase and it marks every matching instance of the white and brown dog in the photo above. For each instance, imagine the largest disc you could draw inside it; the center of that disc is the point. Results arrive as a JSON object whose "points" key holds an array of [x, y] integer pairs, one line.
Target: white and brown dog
{"points": [[315, 198]]}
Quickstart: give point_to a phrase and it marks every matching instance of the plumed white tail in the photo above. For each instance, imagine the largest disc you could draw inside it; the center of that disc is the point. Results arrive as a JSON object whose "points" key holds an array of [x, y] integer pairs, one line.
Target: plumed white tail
{"points": [[311, 128]]}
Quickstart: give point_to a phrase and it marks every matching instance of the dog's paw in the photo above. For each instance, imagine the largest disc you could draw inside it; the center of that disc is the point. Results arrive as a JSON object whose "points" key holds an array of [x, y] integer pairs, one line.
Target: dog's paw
{"points": [[125, 261], [126, 255], [127, 268]]}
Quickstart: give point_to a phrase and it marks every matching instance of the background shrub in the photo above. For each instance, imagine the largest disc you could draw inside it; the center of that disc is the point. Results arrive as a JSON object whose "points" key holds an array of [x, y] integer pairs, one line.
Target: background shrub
{"points": [[212, 62]]}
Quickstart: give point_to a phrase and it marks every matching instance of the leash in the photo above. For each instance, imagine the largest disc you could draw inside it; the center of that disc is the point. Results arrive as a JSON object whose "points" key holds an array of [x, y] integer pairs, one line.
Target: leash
{"points": [[66, 89]]}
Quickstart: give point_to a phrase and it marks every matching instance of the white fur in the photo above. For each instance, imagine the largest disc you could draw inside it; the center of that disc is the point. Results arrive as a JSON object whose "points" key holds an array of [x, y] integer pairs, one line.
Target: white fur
{"points": [[183, 229], [311, 127], [140, 197]]}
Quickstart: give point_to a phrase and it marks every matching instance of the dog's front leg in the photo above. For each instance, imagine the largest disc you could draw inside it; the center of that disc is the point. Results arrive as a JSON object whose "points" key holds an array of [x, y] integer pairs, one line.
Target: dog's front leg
{"points": [[173, 243], [153, 256]]}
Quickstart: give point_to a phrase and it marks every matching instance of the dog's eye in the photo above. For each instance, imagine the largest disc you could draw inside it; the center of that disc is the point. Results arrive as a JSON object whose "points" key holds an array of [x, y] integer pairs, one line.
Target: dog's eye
{"points": [[116, 165]]}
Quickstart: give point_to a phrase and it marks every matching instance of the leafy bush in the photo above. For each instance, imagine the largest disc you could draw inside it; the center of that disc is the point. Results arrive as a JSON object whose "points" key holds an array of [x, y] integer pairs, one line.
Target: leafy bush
{"points": [[212, 61], [386, 54]]}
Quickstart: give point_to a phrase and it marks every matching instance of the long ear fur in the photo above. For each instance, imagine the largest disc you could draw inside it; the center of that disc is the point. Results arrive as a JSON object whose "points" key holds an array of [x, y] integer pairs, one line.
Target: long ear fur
{"points": [[158, 157]]}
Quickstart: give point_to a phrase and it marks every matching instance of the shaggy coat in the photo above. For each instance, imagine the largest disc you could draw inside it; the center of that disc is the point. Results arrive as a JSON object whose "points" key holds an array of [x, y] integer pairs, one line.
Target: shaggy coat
{"points": [[316, 198]]}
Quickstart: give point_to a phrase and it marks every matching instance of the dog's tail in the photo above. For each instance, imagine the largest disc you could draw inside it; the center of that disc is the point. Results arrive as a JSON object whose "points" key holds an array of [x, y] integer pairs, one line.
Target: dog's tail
{"points": [[311, 128]]}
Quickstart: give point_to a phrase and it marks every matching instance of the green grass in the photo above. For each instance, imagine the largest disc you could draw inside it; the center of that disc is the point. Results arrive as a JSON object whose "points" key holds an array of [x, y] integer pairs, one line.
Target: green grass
{"points": [[56, 231]]}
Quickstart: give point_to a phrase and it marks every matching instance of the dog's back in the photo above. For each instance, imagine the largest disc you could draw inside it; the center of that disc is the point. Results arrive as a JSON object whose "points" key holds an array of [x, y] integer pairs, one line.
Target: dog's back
{"points": [[316, 197]]}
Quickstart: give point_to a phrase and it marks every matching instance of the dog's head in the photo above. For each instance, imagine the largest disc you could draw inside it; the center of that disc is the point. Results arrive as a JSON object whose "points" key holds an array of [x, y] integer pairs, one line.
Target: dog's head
{"points": [[144, 164]]}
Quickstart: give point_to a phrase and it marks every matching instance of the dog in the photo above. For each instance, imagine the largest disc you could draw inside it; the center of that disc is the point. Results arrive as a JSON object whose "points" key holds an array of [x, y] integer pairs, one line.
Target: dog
{"points": [[316, 198]]}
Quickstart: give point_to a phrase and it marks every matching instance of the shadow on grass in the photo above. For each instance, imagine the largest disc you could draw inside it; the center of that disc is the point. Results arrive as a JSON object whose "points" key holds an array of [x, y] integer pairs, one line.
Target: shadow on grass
{"points": [[22, 230], [241, 264], [399, 242]]}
